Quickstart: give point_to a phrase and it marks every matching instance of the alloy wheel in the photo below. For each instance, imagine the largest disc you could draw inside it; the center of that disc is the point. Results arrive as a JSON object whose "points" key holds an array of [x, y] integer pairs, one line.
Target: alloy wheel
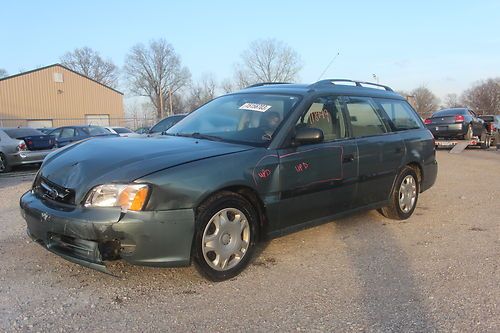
{"points": [[407, 194], [226, 239]]}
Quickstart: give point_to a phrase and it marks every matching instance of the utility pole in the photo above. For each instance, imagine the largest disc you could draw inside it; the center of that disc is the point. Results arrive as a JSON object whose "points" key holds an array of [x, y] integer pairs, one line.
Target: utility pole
{"points": [[170, 99], [161, 102]]}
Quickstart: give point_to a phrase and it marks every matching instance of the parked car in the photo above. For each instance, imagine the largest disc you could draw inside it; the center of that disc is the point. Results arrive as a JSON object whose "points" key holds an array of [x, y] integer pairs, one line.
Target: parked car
{"points": [[123, 131], [164, 124], [461, 123], [492, 123], [142, 130], [251, 165], [68, 134], [45, 130], [23, 145]]}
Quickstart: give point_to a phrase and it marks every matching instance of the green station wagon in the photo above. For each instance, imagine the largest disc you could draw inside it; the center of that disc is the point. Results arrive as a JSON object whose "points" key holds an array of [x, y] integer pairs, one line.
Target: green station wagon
{"points": [[256, 164]]}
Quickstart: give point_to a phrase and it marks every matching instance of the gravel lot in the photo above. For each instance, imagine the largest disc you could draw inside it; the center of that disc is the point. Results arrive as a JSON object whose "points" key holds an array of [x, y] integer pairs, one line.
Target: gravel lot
{"points": [[438, 271]]}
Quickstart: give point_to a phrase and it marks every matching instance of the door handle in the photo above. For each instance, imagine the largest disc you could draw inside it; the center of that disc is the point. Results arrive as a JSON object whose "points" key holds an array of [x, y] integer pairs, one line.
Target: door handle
{"points": [[348, 158]]}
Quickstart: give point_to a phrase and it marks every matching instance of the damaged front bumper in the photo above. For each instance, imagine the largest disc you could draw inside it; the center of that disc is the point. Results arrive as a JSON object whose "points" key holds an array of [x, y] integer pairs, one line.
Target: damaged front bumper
{"points": [[91, 236]]}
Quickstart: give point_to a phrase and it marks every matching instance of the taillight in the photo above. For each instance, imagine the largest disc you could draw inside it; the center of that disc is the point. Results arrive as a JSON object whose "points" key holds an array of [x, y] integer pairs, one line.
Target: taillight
{"points": [[427, 121], [21, 146], [459, 118], [492, 127]]}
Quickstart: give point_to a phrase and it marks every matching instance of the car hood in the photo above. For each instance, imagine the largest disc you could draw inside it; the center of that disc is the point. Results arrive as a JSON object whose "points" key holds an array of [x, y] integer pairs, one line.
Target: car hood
{"points": [[88, 163]]}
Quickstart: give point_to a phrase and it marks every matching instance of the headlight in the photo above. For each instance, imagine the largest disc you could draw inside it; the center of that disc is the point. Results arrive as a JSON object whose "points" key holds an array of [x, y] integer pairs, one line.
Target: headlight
{"points": [[128, 197]]}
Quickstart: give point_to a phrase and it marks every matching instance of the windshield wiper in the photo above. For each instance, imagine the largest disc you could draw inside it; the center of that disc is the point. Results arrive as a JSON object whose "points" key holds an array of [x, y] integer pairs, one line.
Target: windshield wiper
{"points": [[198, 135]]}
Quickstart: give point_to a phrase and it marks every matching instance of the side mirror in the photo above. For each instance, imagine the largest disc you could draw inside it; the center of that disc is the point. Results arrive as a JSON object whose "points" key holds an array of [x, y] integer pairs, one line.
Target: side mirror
{"points": [[307, 135]]}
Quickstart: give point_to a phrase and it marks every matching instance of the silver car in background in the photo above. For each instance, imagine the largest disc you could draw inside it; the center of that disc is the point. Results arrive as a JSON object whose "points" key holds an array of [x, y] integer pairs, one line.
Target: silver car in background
{"points": [[123, 132], [23, 145]]}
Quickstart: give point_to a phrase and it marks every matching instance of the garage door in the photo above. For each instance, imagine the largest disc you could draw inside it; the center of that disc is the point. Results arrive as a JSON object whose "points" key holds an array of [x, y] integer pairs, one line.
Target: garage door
{"points": [[40, 123], [97, 119]]}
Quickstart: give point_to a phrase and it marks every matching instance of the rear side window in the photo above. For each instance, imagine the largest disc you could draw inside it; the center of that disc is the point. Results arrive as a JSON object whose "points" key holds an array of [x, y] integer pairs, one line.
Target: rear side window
{"points": [[365, 120], [67, 133], [400, 114]]}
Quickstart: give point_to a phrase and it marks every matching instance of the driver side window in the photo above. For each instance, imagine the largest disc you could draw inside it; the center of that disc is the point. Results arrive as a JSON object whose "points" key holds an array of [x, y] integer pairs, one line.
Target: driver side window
{"points": [[325, 113]]}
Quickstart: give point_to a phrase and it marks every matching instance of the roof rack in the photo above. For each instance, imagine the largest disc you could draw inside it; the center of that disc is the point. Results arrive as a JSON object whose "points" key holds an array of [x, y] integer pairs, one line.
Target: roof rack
{"points": [[357, 83], [265, 84]]}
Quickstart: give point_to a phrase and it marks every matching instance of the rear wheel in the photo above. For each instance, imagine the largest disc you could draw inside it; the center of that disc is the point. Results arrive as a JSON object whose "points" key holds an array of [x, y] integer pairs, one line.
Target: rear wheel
{"points": [[4, 165], [404, 196], [485, 140], [225, 236]]}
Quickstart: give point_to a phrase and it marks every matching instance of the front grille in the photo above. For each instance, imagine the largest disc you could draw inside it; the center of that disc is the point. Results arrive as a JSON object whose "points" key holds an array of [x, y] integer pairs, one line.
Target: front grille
{"points": [[51, 191]]}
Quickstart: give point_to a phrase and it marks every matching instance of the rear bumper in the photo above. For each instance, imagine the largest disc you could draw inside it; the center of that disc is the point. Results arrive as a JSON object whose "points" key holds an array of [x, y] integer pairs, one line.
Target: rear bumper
{"points": [[90, 236], [28, 157], [447, 130], [430, 171]]}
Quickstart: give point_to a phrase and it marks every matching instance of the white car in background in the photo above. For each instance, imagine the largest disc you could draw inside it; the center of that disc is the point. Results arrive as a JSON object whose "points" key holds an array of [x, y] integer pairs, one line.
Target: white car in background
{"points": [[124, 132]]}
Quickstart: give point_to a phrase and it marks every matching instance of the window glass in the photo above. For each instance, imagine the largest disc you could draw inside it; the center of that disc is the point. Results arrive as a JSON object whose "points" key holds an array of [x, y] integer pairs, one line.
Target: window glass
{"points": [[400, 114], [326, 114], [56, 132], [122, 130], [244, 118], [165, 124], [364, 118], [68, 132], [15, 133], [97, 130]]}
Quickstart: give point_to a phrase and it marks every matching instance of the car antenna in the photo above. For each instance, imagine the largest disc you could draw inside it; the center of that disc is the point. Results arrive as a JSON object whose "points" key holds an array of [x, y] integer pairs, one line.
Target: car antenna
{"points": [[328, 66]]}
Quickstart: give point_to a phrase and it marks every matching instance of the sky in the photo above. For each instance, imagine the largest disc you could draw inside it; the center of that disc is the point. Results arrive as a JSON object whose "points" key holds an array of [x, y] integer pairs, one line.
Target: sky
{"points": [[444, 45]]}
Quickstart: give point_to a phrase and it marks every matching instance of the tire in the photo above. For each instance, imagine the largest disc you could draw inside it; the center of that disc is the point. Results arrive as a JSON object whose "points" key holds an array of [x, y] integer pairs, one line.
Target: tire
{"points": [[225, 236], [406, 187], [4, 165], [485, 141], [469, 134]]}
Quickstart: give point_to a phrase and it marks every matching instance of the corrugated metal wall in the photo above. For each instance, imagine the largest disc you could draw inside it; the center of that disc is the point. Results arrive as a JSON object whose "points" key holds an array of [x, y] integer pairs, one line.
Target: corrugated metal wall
{"points": [[37, 95]]}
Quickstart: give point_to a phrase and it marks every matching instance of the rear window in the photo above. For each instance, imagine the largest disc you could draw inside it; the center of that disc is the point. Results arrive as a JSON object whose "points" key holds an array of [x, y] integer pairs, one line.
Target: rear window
{"points": [[450, 112], [122, 130], [165, 124], [487, 118], [365, 120], [16, 133]]}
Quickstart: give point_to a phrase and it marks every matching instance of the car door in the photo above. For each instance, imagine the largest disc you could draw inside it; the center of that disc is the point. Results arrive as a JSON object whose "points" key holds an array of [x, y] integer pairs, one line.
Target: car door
{"points": [[380, 150], [67, 136], [318, 180], [477, 123]]}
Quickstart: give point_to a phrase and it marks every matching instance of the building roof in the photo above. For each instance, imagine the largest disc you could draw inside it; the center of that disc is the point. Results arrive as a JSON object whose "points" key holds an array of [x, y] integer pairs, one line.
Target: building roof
{"points": [[58, 65]]}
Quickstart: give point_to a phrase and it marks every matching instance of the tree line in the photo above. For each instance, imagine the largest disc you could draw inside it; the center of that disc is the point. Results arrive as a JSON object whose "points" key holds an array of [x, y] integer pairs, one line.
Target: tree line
{"points": [[155, 71]]}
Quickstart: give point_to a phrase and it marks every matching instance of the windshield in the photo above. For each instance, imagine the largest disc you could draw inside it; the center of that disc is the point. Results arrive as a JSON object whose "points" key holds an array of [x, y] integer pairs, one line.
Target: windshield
{"points": [[165, 124], [122, 130], [244, 118], [16, 133], [96, 130]]}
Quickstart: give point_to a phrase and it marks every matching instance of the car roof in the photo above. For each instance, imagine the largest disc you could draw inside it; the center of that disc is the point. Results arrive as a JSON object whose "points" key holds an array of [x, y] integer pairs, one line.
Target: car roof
{"points": [[334, 86]]}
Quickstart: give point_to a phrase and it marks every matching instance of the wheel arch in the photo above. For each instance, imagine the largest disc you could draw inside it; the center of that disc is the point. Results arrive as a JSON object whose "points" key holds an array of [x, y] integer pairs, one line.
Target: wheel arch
{"points": [[247, 192]]}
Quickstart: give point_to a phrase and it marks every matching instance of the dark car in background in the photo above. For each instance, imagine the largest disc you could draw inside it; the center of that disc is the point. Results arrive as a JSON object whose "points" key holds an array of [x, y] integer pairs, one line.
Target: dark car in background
{"points": [[460, 123], [22, 146], [251, 165], [492, 123], [68, 134], [164, 124], [45, 130]]}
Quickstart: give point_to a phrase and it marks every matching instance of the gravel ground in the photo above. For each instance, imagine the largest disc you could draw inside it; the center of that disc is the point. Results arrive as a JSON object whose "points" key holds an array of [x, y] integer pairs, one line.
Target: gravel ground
{"points": [[437, 271]]}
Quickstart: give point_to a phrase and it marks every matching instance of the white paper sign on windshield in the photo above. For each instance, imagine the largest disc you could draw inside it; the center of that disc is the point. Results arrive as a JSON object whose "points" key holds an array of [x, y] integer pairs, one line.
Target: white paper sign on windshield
{"points": [[255, 107]]}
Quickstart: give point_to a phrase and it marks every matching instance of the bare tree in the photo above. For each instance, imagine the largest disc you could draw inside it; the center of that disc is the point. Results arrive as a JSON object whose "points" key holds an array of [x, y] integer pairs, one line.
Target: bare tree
{"points": [[201, 92], [3, 73], [155, 71], [267, 60], [451, 101], [484, 97], [425, 101], [89, 63]]}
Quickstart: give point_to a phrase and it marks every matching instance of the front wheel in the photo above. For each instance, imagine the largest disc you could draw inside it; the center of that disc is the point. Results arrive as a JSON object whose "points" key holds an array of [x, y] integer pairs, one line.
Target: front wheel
{"points": [[404, 196], [4, 165], [225, 236]]}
